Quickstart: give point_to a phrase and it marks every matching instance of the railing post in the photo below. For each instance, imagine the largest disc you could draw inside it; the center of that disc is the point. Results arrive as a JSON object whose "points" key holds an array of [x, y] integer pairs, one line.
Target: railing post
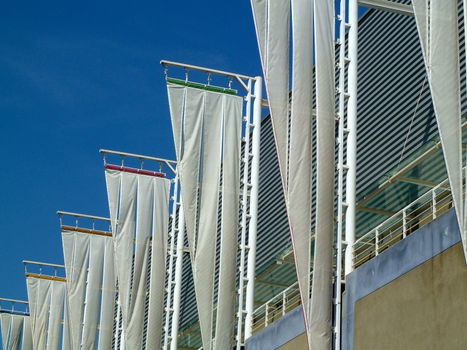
{"points": [[433, 204], [284, 301], [376, 242], [404, 223], [266, 315]]}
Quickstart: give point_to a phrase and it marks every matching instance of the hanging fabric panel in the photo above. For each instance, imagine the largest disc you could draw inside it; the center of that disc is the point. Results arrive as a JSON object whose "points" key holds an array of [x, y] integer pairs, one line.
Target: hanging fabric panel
{"points": [[87, 296], [57, 301], [321, 294], [440, 47], [26, 337], [205, 251], [158, 263], [229, 221], [188, 149], [39, 301], [300, 170], [108, 301], [66, 338], [93, 291], [209, 135], [16, 328], [5, 327], [76, 258], [272, 21], [135, 214], [11, 330], [144, 209], [46, 304]]}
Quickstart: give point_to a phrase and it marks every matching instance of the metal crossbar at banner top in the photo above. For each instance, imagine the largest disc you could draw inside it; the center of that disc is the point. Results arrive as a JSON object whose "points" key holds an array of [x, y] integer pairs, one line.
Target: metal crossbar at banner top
{"points": [[58, 271], [61, 213], [211, 88], [12, 309], [171, 164], [135, 171]]}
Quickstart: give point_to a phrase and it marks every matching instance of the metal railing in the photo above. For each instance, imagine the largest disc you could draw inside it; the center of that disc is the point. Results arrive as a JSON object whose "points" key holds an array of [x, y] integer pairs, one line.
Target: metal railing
{"points": [[276, 307], [412, 217], [417, 214], [13, 306]]}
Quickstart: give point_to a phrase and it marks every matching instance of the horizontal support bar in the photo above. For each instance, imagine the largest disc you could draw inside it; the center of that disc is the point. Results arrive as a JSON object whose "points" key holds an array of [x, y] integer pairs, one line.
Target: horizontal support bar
{"points": [[14, 301], [137, 156], [165, 63], [387, 5], [46, 277], [82, 216], [171, 164], [87, 231], [29, 262], [211, 88], [135, 171]]}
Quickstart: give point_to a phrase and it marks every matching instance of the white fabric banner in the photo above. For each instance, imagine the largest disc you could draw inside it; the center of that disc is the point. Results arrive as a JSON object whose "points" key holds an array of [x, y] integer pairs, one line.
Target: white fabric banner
{"points": [[205, 125], [321, 294], [5, 328], [272, 22], [300, 169], [439, 36], [232, 129], [26, 337], [160, 225], [46, 306], [132, 203], [295, 155], [11, 330], [108, 301], [76, 258], [89, 286]]}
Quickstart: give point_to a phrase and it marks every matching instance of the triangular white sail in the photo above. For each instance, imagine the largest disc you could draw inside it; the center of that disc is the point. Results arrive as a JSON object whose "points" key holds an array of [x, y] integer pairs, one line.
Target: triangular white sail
{"points": [[321, 295], [133, 202], [299, 189], [438, 30], [294, 137], [207, 129]]}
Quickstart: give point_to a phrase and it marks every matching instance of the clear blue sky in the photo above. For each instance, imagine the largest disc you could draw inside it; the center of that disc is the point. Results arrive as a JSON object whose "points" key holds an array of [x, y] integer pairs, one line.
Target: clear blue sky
{"points": [[79, 76]]}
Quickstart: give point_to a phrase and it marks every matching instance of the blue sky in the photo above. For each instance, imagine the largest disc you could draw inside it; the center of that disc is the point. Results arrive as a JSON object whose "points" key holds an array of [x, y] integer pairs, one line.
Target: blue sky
{"points": [[80, 76]]}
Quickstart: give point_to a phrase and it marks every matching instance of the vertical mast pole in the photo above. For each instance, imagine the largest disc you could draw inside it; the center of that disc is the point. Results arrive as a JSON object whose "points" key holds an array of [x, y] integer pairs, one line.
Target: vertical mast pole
{"points": [[352, 136], [251, 268], [341, 171]]}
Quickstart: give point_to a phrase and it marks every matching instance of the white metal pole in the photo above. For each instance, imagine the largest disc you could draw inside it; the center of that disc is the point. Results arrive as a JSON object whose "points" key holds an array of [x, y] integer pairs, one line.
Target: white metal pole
{"points": [[245, 208], [171, 253], [352, 136], [178, 279], [253, 225], [341, 173]]}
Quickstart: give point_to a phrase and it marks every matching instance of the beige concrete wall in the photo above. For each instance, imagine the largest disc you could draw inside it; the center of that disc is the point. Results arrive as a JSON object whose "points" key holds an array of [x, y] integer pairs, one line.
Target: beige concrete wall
{"points": [[298, 343], [425, 308]]}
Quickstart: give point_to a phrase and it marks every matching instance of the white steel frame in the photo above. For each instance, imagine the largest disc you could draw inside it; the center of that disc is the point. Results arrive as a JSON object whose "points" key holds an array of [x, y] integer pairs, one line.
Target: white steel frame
{"points": [[347, 140], [248, 203], [172, 308]]}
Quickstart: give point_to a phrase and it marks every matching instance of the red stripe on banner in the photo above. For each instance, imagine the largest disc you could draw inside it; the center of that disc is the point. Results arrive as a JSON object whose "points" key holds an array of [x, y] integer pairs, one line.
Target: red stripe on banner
{"points": [[134, 170]]}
